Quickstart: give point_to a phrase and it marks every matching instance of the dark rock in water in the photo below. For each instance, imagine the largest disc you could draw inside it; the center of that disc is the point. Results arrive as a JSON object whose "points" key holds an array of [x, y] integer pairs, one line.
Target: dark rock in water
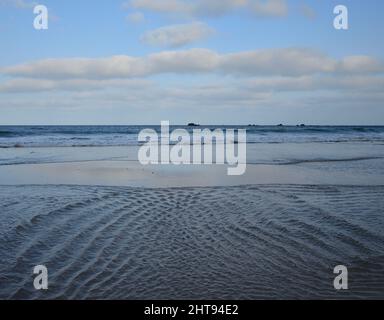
{"points": [[302, 125], [280, 125], [18, 145], [193, 125]]}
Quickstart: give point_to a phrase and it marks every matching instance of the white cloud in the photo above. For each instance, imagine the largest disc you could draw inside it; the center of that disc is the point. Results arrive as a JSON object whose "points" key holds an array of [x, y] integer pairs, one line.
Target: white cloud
{"points": [[177, 35], [73, 85], [270, 8], [199, 8], [136, 17], [22, 85], [218, 100], [19, 4], [214, 8], [366, 83], [80, 68], [317, 82], [361, 64], [267, 62], [291, 61], [164, 6]]}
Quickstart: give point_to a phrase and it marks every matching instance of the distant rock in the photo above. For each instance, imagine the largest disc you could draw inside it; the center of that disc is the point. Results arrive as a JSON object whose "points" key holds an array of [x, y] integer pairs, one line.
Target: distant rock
{"points": [[193, 124]]}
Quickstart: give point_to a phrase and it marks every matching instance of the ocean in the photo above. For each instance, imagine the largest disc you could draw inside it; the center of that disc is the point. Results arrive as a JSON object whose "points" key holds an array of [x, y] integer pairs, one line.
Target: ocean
{"points": [[50, 136]]}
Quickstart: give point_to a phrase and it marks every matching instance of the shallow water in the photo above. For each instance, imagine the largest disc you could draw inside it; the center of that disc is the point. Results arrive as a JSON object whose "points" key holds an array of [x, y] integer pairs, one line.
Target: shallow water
{"points": [[248, 242]]}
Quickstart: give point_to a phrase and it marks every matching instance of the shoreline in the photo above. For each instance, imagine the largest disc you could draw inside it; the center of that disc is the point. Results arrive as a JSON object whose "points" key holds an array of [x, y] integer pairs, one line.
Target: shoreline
{"points": [[132, 173], [302, 164]]}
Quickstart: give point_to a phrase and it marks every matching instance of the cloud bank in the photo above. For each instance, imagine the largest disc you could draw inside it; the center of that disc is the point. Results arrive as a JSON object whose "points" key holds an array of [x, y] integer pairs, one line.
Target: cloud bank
{"points": [[267, 62]]}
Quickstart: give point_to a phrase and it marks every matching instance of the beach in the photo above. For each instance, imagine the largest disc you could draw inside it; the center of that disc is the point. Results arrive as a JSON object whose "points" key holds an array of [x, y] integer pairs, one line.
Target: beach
{"points": [[250, 242], [107, 227]]}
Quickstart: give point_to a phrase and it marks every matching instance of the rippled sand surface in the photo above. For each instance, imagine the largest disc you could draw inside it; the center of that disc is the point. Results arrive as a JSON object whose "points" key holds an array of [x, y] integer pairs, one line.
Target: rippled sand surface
{"points": [[248, 242]]}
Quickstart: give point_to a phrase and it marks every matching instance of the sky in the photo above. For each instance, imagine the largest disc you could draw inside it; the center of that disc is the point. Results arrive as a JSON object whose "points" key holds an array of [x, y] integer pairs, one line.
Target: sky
{"points": [[202, 61]]}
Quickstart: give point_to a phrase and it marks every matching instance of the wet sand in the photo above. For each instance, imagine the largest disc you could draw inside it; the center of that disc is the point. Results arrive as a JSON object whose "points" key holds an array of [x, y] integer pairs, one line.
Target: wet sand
{"points": [[108, 228], [248, 242], [324, 164]]}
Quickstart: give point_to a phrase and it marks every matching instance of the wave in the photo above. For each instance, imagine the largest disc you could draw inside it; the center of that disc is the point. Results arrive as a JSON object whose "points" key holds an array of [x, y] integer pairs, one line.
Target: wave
{"points": [[45, 142], [7, 133], [84, 136]]}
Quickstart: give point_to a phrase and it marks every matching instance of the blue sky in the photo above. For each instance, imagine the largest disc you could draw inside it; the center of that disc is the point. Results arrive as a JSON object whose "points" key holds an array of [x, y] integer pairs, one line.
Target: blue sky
{"points": [[218, 62]]}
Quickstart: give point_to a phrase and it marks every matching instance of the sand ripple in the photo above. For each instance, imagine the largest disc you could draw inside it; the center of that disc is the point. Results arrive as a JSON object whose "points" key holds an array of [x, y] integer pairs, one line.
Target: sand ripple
{"points": [[191, 243]]}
